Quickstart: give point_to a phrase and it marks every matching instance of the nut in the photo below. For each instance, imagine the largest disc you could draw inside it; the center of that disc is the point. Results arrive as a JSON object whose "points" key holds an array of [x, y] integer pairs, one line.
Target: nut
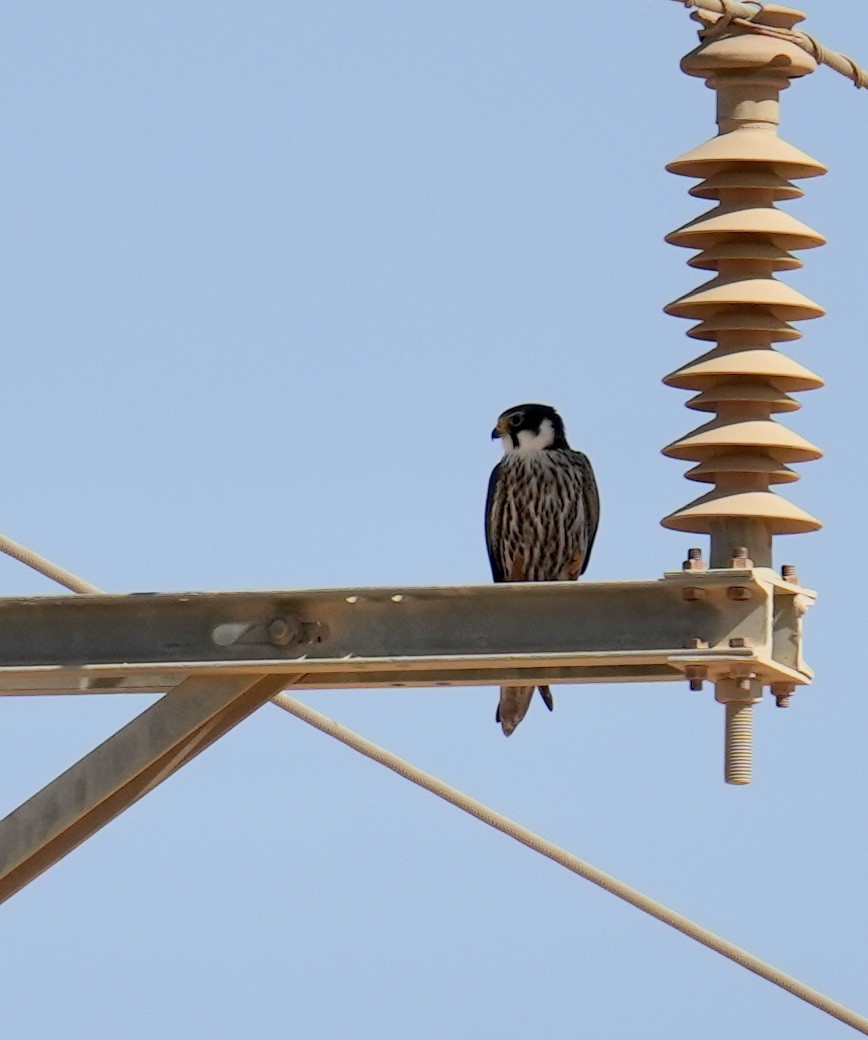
{"points": [[739, 592], [694, 561], [739, 642], [695, 673], [283, 631], [695, 644], [691, 593], [782, 691], [740, 559]]}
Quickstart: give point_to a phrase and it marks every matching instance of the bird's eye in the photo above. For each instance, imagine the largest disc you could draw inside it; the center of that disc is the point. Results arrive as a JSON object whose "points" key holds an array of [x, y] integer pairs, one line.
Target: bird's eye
{"points": [[515, 420]]}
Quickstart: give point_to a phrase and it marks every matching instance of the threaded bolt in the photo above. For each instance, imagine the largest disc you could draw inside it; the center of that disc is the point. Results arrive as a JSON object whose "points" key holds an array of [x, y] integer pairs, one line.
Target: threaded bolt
{"points": [[694, 561], [696, 673], [782, 691], [788, 573], [738, 753]]}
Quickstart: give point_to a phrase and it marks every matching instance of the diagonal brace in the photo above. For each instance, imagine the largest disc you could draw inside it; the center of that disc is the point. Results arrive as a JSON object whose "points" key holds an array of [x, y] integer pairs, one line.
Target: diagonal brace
{"points": [[122, 769]]}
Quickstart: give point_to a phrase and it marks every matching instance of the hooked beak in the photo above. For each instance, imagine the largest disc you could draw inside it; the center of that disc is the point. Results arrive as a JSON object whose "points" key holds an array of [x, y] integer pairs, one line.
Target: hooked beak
{"points": [[501, 430]]}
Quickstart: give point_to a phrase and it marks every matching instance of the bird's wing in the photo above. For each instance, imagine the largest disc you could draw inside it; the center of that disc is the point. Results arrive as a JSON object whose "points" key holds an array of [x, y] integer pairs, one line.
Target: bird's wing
{"points": [[591, 495], [493, 522]]}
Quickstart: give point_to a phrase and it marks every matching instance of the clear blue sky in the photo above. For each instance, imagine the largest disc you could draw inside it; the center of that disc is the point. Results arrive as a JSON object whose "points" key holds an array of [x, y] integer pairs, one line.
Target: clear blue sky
{"points": [[269, 273]]}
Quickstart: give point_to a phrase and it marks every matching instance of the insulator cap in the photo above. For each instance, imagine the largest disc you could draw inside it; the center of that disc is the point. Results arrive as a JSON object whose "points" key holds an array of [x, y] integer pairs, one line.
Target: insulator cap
{"points": [[779, 17]]}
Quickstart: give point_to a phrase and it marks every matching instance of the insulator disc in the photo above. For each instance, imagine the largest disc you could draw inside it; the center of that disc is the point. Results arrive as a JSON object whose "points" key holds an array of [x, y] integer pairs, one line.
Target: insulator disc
{"points": [[765, 178], [781, 516], [763, 393], [721, 435], [782, 300], [744, 320], [745, 249], [723, 366], [775, 472], [765, 223], [746, 145]]}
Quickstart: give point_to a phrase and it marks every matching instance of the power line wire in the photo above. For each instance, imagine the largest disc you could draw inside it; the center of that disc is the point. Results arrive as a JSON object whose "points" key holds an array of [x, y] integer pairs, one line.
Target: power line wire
{"points": [[51, 570], [573, 863], [745, 15]]}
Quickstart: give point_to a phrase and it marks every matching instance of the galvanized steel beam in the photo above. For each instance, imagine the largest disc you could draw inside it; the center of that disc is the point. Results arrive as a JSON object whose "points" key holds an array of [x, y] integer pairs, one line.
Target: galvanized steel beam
{"points": [[723, 624]]}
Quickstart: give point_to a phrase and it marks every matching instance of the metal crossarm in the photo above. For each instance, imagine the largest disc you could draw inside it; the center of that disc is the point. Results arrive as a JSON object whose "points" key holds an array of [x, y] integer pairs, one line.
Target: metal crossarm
{"points": [[721, 625]]}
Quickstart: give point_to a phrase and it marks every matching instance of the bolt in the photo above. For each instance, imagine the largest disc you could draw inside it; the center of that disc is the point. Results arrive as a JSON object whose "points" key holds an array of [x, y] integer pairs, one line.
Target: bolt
{"points": [[696, 673], [691, 593], [743, 674], [782, 691], [694, 561], [788, 573], [739, 592], [738, 642], [742, 671], [695, 644], [738, 754], [283, 631], [740, 560]]}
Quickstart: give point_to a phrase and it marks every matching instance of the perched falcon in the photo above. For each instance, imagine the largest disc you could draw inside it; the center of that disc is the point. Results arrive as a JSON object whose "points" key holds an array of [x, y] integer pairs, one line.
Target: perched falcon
{"points": [[540, 517]]}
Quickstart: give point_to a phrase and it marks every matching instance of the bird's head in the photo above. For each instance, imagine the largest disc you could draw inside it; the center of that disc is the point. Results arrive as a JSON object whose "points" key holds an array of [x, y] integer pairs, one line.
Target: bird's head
{"points": [[530, 427]]}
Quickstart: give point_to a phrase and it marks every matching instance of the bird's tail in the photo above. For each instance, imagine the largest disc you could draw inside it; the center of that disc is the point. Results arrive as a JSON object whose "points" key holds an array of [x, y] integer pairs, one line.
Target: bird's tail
{"points": [[514, 702]]}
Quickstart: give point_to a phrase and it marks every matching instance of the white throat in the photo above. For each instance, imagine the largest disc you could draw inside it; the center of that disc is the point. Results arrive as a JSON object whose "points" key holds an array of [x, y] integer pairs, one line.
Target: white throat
{"points": [[528, 441]]}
